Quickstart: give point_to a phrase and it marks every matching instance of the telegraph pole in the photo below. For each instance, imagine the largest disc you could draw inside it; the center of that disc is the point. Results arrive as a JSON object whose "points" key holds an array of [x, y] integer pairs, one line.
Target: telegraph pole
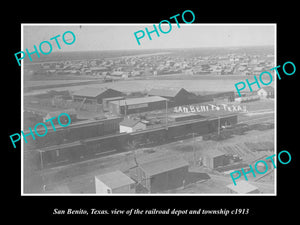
{"points": [[125, 108], [219, 125], [194, 150], [166, 114]]}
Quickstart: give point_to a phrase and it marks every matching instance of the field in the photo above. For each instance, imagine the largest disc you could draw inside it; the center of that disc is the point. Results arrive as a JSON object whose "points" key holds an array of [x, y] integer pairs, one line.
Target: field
{"points": [[193, 85]]}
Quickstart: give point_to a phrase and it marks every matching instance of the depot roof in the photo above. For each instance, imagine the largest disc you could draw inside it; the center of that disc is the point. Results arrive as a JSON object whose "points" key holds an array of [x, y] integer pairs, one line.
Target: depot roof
{"points": [[134, 101], [171, 92], [90, 92]]}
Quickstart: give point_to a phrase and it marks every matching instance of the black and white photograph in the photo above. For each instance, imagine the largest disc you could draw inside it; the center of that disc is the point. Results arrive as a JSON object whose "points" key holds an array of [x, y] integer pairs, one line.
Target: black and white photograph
{"points": [[150, 112], [148, 109]]}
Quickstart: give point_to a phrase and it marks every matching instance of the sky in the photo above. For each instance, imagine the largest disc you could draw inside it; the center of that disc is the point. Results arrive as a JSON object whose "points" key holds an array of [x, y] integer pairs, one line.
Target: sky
{"points": [[121, 36]]}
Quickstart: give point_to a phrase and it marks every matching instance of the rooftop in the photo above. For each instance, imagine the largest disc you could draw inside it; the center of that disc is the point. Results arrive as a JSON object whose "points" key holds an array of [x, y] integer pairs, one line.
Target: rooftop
{"points": [[115, 179], [134, 101], [171, 92], [129, 122], [242, 187], [90, 92], [163, 165]]}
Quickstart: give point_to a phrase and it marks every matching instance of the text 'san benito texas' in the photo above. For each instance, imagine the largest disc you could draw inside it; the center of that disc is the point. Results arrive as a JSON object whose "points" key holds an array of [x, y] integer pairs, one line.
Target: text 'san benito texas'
{"points": [[161, 118]]}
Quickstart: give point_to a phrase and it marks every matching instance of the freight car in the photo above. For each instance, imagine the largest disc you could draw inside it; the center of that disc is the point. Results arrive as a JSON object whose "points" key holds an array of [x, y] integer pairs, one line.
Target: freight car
{"points": [[76, 131], [90, 148]]}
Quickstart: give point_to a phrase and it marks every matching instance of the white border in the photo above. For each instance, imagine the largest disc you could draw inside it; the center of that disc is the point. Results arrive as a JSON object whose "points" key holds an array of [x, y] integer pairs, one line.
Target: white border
{"points": [[146, 24]]}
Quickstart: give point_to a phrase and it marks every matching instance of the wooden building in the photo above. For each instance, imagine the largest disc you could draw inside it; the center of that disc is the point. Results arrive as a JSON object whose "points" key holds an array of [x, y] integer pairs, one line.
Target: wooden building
{"points": [[113, 183], [162, 175], [176, 96], [137, 105], [95, 95], [214, 158], [130, 125]]}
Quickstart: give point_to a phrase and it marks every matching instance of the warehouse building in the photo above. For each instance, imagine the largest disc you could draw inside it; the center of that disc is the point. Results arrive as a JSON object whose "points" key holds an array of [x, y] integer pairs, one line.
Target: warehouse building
{"points": [[176, 96], [136, 105], [95, 95], [113, 183], [161, 175], [106, 101], [214, 158]]}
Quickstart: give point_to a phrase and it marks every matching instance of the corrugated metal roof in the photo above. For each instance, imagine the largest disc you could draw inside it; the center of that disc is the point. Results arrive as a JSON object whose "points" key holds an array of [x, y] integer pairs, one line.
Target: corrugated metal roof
{"points": [[134, 101], [163, 165], [171, 92], [90, 92], [115, 179]]}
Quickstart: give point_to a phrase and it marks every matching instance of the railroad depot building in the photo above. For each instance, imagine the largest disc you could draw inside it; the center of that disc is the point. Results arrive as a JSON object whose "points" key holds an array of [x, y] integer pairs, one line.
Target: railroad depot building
{"points": [[176, 96], [136, 105], [161, 175], [95, 95], [113, 183]]}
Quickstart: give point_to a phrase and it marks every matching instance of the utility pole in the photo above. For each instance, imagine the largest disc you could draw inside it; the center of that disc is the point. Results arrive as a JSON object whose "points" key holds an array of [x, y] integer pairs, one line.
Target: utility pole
{"points": [[194, 150], [125, 108], [166, 114], [219, 125]]}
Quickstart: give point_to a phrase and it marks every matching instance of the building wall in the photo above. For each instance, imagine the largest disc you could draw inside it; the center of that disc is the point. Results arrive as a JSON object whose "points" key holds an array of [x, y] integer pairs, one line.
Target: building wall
{"points": [[116, 110], [109, 94], [265, 94], [125, 129], [219, 161], [137, 127], [101, 188], [214, 162], [169, 180], [182, 98], [262, 93], [123, 189]]}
